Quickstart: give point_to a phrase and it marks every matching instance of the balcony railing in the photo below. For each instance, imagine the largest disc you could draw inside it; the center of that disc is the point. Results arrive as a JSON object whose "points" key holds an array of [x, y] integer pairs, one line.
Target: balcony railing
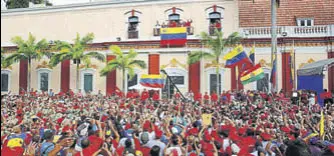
{"points": [[290, 31], [212, 30], [132, 34]]}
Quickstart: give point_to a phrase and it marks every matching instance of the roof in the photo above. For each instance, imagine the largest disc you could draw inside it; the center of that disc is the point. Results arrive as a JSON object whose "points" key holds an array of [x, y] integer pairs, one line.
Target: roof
{"points": [[315, 68]]}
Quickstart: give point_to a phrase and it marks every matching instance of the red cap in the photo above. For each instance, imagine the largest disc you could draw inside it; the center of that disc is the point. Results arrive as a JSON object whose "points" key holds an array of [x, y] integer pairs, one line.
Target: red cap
{"points": [[331, 148], [234, 136], [158, 133], [285, 129], [127, 126], [66, 128], [147, 125], [266, 136]]}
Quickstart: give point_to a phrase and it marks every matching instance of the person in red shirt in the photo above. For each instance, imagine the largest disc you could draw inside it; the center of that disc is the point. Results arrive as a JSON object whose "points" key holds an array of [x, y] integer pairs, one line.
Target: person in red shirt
{"points": [[71, 93], [144, 95], [214, 97], [206, 97], [61, 93], [198, 97], [218, 25], [155, 96], [177, 95], [129, 95], [327, 96]]}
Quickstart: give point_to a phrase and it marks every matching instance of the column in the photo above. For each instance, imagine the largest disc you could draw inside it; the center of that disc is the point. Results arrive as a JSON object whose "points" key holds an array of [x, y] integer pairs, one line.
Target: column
{"points": [[331, 72], [65, 75], [287, 83], [233, 79], [23, 75], [154, 63], [111, 78], [194, 77]]}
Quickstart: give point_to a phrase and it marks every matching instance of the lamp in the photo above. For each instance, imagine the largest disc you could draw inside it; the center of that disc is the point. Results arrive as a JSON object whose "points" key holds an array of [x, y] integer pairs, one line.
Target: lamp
{"points": [[284, 34], [118, 39]]}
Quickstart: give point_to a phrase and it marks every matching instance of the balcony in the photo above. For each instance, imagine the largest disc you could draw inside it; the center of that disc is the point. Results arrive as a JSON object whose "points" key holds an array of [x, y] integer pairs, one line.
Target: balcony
{"points": [[212, 30], [291, 31], [132, 34]]}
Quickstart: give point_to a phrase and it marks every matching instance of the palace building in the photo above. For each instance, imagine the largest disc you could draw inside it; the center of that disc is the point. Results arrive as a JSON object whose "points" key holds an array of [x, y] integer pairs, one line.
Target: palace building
{"points": [[304, 27]]}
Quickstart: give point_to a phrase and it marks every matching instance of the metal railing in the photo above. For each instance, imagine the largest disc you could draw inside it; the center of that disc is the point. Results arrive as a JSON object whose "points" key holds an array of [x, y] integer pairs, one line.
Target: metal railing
{"points": [[132, 34]]}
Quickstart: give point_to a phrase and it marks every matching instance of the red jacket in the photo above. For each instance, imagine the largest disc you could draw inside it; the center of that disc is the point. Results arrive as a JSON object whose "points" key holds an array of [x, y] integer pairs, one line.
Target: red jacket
{"points": [[198, 97], [177, 95], [214, 97], [129, 95], [155, 97], [206, 97], [144, 95]]}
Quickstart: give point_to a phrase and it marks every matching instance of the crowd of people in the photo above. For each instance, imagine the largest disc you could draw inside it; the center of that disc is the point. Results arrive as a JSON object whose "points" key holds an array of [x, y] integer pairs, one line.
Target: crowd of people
{"points": [[240, 123]]}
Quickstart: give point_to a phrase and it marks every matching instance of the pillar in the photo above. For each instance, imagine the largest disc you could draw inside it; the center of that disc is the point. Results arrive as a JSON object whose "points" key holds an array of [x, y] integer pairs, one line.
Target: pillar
{"points": [[287, 84], [111, 78], [233, 79], [154, 63], [194, 77], [23, 75], [331, 72], [65, 75]]}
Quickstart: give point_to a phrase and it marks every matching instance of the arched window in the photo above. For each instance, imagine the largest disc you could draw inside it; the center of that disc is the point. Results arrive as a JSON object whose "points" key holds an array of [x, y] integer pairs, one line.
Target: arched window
{"points": [[5, 80], [134, 81], [133, 23], [215, 14], [179, 76], [87, 80], [43, 79], [174, 17], [211, 77]]}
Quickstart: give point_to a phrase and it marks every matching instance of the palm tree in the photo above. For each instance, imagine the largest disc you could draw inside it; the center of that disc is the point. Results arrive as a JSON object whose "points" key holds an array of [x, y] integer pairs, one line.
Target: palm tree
{"points": [[76, 52], [123, 62], [217, 44], [28, 50]]}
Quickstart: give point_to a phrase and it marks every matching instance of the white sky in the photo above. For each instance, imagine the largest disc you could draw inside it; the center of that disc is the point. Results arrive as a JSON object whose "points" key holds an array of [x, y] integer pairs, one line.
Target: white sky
{"points": [[61, 2]]}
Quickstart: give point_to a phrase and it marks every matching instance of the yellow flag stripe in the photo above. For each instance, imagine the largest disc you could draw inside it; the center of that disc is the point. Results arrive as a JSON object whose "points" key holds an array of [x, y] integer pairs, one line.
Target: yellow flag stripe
{"points": [[176, 30], [252, 74], [233, 52], [146, 76], [322, 124]]}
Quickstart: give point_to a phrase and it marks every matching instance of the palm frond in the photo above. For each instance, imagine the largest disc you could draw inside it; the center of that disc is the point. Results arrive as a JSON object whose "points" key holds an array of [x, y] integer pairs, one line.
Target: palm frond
{"points": [[18, 41], [232, 39], [196, 56], [31, 40], [138, 63], [96, 55], [131, 73], [132, 54], [116, 50], [111, 65], [16, 57], [87, 39], [59, 57], [59, 45]]}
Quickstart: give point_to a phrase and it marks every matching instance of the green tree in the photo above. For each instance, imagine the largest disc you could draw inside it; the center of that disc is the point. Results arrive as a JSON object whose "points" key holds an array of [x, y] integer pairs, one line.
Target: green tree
{"points": [[123, 62], [217, 44], [12, 4], [76, 52], [28, 50]]}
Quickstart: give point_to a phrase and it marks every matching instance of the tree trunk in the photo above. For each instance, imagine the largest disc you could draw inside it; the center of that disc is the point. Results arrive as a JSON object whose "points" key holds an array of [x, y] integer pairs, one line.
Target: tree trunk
{"points": [[77, 78], [217, 75], [123, 74], [29, 75]]}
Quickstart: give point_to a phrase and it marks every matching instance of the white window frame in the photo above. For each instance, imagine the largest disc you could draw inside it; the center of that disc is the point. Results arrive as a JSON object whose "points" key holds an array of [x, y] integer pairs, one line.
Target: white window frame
{"points": [[82, 78], [212, 70], [39, 72], [174, 71], [127, 16], [9, 73], [266, 70], [136, 71], [305, 21]]}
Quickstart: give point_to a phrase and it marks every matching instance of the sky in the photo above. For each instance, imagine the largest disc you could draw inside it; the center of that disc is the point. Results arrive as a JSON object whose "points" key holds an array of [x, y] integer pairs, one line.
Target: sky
{"points": [[61, 2]]}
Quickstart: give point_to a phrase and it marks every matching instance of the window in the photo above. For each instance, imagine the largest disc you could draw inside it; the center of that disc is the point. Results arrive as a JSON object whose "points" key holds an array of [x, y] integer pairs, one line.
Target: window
{"points": [[133, 27], [213, 83], [178, 80], [44, 81], [133, 81], [4, 82], [88, 82], [304, 22], [263, 84], [174, 17]]}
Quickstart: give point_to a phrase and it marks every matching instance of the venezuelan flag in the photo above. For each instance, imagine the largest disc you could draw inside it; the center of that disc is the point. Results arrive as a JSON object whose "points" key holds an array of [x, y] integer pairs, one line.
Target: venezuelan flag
{"points": [[153, 81], [236, 57], [292, 66], [322, 125], [253, 74], [176, 36]]}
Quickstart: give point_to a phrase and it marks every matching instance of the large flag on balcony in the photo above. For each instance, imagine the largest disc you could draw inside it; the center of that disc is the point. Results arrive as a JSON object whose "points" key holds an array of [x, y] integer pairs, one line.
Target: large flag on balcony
{"points": [[252, 55], [253, 74], [237, 56], [153, 81], [176, 36]]}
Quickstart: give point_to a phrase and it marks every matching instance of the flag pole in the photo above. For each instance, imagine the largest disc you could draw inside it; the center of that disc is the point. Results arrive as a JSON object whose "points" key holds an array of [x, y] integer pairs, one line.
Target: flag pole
{"points": [[274, 40], [294, 65]]}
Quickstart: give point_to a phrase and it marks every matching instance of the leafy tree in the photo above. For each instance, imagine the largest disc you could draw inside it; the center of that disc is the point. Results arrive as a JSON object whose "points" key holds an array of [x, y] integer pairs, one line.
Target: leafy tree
{"points": [[217, 45], [76, 52], [123, 62]]}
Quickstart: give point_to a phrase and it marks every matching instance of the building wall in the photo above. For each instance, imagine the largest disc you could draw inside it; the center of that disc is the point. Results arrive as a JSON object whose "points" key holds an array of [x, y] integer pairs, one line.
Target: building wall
{"points": [[258, 14]]}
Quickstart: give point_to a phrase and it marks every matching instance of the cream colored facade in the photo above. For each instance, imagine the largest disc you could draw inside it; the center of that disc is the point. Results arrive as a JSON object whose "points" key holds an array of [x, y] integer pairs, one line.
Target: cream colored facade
{"points": [[108, 21]]}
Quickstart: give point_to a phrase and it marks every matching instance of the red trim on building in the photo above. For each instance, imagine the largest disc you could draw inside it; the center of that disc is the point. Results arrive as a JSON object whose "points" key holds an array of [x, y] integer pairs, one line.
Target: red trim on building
{"points": [[174, 10], [111, 78], [214, 8], [65, 75], [331, 73], [23, 75], [194, 77], [287, 84], [154, 64]]}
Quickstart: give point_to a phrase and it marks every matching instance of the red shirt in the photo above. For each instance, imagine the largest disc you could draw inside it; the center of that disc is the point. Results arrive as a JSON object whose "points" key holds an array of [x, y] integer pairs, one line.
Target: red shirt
{"points": [[155, 97], [198, 97], [177, 95], [214, 97], [326, 95], [61, 93], [129, 95], [71, 93], [144, 95], [206, 97]]}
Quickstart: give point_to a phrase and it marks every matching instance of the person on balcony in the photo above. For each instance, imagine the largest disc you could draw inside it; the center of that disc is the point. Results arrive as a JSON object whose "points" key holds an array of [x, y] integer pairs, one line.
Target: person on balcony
{"points": [[218, 25]]}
